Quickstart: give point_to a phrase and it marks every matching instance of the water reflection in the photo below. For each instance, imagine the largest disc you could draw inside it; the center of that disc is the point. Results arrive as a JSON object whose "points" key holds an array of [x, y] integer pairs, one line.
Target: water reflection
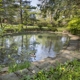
{"points": [[42, 52], [30, 47]]}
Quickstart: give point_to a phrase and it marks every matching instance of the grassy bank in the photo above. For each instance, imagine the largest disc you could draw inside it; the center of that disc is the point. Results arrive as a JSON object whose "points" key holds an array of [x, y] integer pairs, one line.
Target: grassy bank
{"points": [[8, 28], [67, 71]]}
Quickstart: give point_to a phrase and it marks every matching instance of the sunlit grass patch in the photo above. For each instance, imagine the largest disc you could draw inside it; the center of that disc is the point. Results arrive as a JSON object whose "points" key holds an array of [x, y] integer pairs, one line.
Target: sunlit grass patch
{"points": [[20, 66], [61, 29]]}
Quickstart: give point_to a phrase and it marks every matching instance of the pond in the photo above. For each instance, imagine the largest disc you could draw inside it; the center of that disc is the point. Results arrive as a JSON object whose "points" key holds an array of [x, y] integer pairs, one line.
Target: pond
{"points": [[30, 47]]}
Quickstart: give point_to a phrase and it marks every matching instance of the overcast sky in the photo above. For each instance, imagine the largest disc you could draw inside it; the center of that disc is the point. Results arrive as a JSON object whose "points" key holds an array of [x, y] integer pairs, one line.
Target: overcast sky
{"points": [[34, 2]]}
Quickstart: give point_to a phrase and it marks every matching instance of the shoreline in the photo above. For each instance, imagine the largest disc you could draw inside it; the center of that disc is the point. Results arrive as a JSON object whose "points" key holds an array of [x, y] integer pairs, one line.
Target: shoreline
{"points": [[69, 53]]}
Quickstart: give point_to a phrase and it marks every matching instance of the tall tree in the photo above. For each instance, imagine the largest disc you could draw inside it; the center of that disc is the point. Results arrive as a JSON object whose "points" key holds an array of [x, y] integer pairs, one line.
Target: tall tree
{"points": [[1, 11], [21, 13], [60, 9]]}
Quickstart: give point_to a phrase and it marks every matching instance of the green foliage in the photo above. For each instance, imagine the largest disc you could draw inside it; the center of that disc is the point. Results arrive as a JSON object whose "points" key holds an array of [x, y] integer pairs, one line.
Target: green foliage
{"points": [[74, 26], [28, 77], [12, 28], [19, 27], [59, 12], [46, 24], [61, 29], [68, 71], [51, 28], [1, 32], [20, 66], [42, 24], [8, 28]]}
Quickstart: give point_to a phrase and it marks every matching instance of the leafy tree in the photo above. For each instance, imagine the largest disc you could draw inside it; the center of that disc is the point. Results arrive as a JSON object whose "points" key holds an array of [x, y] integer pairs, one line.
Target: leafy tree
{"points": [[74, 25], [1, 11], [25, 12], [59, 10]]}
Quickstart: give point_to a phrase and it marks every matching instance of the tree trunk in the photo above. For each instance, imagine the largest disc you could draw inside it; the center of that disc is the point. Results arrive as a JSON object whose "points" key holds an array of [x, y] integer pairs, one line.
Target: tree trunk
{"points": [[21, 14], [1, 22]]}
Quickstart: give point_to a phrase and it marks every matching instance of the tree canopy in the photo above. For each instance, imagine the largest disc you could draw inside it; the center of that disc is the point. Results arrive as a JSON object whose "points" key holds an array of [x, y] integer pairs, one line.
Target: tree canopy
{"points": [[60, 12], [15, 11], [59, 9]]}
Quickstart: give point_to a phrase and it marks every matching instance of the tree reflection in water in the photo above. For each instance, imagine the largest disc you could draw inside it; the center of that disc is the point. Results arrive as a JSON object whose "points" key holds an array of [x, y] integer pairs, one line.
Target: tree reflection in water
{"points": [[32, 47]]}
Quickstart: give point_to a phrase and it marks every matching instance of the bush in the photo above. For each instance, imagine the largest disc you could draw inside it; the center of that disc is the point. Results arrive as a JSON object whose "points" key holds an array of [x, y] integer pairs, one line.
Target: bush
{"points": [[51, 28], [74, 26], [42, 24]]}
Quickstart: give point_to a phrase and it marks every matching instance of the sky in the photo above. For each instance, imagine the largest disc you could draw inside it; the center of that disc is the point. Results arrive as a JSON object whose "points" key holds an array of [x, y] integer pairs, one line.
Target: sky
{"points": [[34, 2]]}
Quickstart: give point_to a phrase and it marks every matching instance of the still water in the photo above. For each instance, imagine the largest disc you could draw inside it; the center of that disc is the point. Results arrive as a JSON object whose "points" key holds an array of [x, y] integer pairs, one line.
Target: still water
{"points": [[32, 47]]}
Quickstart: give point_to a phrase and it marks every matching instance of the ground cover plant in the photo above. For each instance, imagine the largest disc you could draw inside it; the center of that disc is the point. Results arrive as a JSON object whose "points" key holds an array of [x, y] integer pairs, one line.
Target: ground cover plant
{"points": [[20, 66], [67, 71]]}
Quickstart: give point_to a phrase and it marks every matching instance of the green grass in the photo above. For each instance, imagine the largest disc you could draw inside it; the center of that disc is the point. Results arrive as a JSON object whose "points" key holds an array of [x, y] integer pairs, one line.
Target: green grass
{"points": [[67, 71], [20, 66], [18, 28], [31, 26], [61, 29]]}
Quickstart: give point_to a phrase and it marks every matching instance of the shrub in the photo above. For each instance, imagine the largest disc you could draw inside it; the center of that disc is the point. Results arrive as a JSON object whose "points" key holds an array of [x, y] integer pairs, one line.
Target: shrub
{"points": [[42, 24], [74, 26], [51, 28]]}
